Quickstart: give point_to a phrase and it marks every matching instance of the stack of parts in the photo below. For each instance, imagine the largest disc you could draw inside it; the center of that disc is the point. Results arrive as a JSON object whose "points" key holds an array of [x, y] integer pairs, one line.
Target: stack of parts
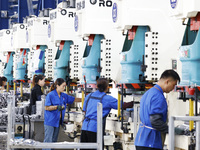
{"points": [[3, 140]]}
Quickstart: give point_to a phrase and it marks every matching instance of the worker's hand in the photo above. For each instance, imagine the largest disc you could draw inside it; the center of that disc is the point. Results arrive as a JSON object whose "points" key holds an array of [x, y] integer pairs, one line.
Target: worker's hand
{"points": [[128, 105], [60, 107]]}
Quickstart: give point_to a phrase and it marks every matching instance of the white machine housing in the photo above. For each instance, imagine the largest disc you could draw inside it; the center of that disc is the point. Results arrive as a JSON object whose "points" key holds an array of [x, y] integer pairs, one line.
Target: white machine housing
{"points": [[183, 9], [37, 31], [61, 29], [93, 18], [19, 36], [96, 19], [5, 45], [160, 47], [61, 24]]}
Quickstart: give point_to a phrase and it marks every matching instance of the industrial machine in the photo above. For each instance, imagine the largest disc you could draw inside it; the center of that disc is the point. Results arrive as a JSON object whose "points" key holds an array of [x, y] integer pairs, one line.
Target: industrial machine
{"points": [[70, 47], [146, 35], [101, 55], [129, 42], [40, 47], [18, 41], [188, 90], [148, 49], [21, 84], [11, 46], [8, 51]]}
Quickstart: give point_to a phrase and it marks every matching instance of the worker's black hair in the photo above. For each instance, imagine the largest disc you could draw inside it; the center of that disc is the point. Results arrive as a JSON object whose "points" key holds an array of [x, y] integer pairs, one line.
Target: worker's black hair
{"points": [[102, 84], [170, 73], [2, 79], [36, 78], [58, 82]]}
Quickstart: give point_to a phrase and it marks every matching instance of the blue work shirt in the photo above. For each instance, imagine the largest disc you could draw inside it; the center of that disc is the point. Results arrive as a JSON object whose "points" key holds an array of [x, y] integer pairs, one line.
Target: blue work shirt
{"points": [[52, 118], [152, 102], [108, 102]]}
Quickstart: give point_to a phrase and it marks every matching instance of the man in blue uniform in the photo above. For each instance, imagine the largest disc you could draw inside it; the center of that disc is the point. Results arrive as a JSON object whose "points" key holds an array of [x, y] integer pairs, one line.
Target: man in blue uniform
{"points": [[153, 113]]}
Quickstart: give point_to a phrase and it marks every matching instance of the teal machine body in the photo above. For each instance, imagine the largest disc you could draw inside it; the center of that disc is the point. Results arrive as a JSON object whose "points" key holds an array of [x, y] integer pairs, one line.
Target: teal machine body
{"points": [[132, 57], [21, 70], [41, 64], [62, 61], [91, 60], [8, 69], [190, 58]]}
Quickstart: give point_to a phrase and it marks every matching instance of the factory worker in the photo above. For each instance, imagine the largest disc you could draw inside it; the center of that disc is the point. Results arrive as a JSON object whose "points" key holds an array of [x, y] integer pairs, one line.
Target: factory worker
{"points": [[36, 91], [153, 113], [3, 81], [89, 126], [55, 106]]}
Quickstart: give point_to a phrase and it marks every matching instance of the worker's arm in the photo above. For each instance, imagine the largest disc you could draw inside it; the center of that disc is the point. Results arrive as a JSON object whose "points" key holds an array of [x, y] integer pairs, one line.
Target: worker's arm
{"points": [[50, 108], [78, 99], [38, 94], [158, 124]]}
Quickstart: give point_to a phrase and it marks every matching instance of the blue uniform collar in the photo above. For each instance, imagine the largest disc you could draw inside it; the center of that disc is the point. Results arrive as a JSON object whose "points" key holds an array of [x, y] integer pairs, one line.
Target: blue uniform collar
{"points": [[160, 89], [98, 93]]}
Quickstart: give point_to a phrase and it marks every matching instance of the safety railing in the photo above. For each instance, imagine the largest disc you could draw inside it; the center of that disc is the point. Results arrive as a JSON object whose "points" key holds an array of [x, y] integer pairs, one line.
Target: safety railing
{"points": [[57, 145], [183, 118]]}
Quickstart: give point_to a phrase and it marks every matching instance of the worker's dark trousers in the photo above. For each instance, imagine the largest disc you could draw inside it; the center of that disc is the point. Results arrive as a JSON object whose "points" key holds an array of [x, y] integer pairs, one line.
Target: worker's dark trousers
{"points": [[145, 148], [88, 137]]}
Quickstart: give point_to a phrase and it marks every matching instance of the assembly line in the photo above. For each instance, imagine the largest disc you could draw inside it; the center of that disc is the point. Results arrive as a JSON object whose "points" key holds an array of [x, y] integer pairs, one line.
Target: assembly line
{"points": [[102, 74]]}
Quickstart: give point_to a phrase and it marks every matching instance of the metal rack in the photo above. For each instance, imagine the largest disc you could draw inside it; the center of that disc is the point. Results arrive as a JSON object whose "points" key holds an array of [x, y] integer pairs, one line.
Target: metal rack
{"points": [[59, 145], [183, 118]]}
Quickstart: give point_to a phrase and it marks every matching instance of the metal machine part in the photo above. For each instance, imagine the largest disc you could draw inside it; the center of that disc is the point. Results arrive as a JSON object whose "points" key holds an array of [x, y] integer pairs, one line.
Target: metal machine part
{"points": [[182, 129], [3, 100]]}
